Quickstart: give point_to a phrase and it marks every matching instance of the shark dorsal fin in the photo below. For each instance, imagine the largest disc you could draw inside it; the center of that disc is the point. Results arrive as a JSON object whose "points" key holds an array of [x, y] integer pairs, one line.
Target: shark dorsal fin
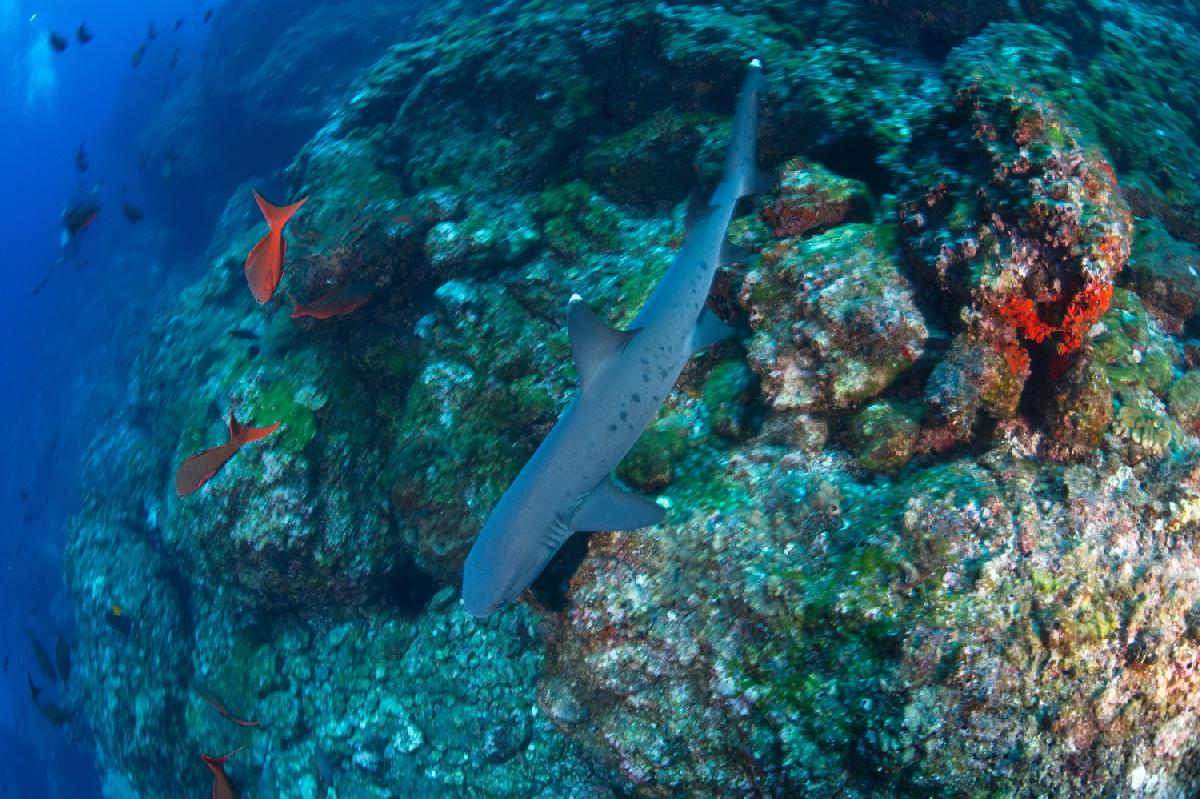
{"points": [[593, 341], [709, 330], [610, 507]]}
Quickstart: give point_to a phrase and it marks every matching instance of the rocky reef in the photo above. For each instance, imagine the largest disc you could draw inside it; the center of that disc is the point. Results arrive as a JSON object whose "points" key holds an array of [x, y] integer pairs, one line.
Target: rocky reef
{"points": [[932, 518]]}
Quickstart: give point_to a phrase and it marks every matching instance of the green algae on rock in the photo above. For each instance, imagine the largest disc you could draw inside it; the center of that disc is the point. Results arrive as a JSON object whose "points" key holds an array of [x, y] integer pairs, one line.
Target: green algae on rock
{"points": [[834, 319]]}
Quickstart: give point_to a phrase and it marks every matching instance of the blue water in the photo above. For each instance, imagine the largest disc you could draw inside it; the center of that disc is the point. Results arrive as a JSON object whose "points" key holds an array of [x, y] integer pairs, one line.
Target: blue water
{"points": [[59, 348]]}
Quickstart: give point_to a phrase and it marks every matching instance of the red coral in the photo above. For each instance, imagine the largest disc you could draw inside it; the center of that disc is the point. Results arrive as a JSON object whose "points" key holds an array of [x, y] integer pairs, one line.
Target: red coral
{"points": [[1020, 313], [1086, 308]]}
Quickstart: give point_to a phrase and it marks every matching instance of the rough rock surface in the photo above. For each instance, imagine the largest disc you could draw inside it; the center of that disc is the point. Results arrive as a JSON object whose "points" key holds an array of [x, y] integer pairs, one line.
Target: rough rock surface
{"points": [[931, 518]]}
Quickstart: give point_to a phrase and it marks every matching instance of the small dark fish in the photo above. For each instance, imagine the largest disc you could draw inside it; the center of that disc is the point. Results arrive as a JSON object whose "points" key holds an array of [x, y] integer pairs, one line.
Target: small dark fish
{"points": [[54, 714], [62, 658], [178, 24], [83, 34], [324, 769], [33, 689], [80, 217], [81, 159], [174, 59], [24, 493], [208, 15], [242, 333], [43, 657], [132, 213], [151, 32], [252, 350], [218, 705], [58, 42], [117, 619], [136, 59], [338, 302]]}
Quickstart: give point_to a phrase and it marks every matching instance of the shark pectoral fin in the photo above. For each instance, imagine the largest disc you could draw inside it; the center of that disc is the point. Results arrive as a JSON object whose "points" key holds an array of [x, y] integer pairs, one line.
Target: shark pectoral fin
{"points": [[610, 507], [709, 330], [731, 253], [593, 341]]}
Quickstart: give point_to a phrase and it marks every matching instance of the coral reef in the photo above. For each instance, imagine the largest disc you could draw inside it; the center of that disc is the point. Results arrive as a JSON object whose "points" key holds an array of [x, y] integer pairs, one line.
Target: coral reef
{"points": [[930, 517]]}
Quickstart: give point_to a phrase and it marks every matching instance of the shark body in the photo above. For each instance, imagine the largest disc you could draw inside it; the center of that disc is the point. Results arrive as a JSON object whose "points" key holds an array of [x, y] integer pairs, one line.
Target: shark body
{"points": [[625, 375]]}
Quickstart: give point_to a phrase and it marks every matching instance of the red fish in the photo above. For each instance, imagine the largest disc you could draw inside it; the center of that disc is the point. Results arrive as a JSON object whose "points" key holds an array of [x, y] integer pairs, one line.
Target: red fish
{"points": [[196, 470], [264, 264], [336, 303], [222, 788]]}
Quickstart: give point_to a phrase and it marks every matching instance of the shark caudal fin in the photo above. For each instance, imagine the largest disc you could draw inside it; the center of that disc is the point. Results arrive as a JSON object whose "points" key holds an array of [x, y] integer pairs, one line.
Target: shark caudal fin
{"points": [[742, 176], [277, 215], [241, 434]]}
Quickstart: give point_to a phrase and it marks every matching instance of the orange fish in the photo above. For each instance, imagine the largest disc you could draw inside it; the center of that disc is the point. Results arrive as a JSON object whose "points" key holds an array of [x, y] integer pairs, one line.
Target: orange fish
{"points": [[196, 470], [222, 788], [264, 264], [336, 303]]}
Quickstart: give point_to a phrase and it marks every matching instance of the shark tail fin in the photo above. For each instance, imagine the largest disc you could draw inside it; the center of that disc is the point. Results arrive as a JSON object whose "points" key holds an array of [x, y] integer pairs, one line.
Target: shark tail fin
{"points": [[742, 176]]}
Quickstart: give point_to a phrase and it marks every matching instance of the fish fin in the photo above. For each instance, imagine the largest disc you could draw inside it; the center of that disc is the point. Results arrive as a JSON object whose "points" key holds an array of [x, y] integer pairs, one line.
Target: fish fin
{"points": [[593, 341], [698, 208], [742, 177], [242, 434], [235, 428], [731, 253], [709, 330], [277, 215], [248, 434], [295, 305], [610, 507]]}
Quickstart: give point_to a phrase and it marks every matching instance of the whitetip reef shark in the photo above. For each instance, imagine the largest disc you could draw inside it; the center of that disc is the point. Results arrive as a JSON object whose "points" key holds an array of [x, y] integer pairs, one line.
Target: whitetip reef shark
{"points": [[624, 376]]}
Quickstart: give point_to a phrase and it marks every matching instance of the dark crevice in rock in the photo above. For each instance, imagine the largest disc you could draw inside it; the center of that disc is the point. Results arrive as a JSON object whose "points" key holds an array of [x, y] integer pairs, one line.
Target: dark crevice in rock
{"points": [[552, 587], [855, 155], [408, 589]]}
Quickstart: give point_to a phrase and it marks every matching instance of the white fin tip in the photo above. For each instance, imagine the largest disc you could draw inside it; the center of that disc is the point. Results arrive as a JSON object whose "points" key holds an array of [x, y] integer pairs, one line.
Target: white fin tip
{"points": [[575, 298], [754, 62]]}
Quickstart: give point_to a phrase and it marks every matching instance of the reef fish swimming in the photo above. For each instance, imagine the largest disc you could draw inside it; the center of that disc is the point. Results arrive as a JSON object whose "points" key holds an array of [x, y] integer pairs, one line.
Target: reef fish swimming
{"points": [[42, 656], [338, 302], [196, 470], [264, 264], [219, 706], [624, 378], [222, 788]]}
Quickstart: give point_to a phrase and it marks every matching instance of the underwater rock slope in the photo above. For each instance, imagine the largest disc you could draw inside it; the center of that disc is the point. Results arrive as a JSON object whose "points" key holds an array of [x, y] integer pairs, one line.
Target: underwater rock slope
{"points": [[932, 521]]}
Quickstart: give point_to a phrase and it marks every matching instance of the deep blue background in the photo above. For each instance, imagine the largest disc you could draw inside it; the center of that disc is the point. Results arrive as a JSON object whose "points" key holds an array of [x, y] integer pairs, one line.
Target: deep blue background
{"points": [[63, 352]]}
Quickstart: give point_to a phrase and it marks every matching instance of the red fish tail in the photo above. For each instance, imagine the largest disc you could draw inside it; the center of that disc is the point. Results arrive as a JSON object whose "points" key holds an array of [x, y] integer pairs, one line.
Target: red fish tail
{"points": [[218, 763], [277, 215], [297, 308], [241, 434]]}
